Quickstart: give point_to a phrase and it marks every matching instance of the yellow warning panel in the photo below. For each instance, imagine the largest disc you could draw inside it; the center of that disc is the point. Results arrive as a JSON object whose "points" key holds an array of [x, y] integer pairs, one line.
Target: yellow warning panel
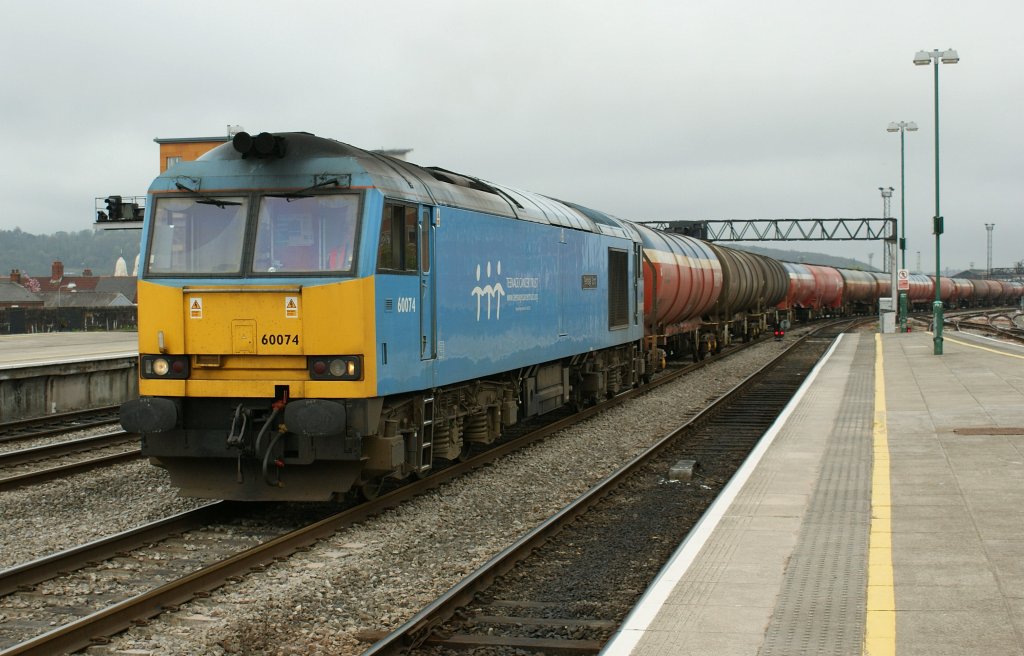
{"points": [[195, 307], [291, 307]]}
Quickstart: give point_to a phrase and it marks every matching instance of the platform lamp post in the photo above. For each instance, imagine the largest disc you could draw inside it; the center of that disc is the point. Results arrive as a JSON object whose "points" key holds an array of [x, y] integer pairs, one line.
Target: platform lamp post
{"points": [[70, 287], [901, 127], [923, 58]]}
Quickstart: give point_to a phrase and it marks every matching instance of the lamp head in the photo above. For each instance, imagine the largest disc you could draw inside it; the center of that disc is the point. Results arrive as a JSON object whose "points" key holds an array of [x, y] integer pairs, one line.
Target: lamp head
{"points": [[911, 127], [950, 57], [893, 127], [923, 58]]}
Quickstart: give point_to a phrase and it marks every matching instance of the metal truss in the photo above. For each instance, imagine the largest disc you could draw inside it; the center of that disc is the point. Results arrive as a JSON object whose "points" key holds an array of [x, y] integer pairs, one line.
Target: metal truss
{"points": [[784, 229]]}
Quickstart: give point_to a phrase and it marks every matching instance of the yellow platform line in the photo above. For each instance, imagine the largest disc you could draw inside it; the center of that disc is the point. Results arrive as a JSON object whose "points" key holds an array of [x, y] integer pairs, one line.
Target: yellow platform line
{"points": [[880, 623], [983, 348]]}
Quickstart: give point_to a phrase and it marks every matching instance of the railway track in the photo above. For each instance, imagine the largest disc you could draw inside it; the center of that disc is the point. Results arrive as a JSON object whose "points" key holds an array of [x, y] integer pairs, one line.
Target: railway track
{"points": [[48, 462], [565, 586], [56, 424], [102, 587], [981, 321], [971, 322]]}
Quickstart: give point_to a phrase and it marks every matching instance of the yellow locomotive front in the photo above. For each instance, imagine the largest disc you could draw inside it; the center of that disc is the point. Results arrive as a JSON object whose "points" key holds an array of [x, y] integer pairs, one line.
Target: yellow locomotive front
{"points": [[251, 313]]}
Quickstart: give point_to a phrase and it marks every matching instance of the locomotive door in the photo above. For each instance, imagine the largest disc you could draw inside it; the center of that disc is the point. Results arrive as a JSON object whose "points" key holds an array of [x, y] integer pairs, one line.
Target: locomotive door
{"points": [[562, 276], [428, 329]]}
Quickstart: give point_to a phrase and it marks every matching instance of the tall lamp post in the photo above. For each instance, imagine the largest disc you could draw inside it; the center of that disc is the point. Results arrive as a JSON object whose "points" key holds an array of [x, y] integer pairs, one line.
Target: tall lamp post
{"points": [[901, 127], [923, 58], [70, 287], [888, 260]]}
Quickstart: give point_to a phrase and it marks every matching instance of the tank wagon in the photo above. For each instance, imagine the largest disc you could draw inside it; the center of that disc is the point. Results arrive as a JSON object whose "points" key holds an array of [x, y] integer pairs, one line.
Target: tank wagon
{"points": [[860, 291], [753, 285], [884, 283], [922, 291], [963, 292], [815, 291], [683, 280], [315, 318]]}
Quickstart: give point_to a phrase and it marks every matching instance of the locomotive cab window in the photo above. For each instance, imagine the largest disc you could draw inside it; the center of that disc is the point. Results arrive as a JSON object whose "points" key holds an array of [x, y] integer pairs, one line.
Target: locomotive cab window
{"points": [[315, 234], [197, 236], [398, 232]]}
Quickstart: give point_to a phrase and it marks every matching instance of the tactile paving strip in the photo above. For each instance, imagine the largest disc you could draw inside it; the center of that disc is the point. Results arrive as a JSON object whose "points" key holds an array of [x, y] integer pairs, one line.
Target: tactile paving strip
{"points": [[821, 606]]}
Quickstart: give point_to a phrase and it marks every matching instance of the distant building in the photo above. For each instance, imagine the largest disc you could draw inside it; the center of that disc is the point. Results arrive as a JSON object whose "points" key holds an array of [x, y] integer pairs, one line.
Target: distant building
{"points": [[186, 149], [1012, 274], [124, 285], [14, 294], [92, 299], [59, 287]]}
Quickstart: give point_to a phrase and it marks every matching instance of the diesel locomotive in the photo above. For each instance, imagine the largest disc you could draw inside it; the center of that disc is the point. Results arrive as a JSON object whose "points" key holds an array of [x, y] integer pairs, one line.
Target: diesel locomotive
{"points": [[315, 318]]}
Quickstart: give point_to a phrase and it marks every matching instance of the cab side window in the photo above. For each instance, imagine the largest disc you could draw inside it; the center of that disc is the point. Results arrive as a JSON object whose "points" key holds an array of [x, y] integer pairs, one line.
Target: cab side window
{"points": [[397, 250]]}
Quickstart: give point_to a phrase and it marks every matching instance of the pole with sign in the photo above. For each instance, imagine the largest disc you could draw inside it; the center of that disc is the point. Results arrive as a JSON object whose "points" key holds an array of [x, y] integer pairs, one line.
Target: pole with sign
{"points": [[903, 286]]}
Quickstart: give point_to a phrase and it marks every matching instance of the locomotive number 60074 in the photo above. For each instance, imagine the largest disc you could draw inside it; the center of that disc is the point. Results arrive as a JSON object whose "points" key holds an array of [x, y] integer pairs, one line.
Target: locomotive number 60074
{"points": [[279, 340]]}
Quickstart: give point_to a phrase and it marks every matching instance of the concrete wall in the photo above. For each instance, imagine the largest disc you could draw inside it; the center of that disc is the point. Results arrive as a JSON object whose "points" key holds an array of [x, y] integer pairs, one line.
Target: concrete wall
{"points": [[36, 391]]}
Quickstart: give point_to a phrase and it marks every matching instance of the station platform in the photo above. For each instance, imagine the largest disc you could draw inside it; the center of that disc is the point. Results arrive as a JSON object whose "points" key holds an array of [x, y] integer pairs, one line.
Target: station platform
{"points": [[882, 514], [40, 349]]}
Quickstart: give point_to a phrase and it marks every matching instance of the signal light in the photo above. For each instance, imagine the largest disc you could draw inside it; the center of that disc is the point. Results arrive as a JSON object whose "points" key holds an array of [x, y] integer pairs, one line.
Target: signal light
{"points": [[114, 208]]}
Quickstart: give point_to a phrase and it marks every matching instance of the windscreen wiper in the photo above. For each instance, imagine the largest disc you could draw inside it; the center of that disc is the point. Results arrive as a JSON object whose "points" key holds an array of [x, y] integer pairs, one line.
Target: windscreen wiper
{"points": [[301, 193], [207, 200]]}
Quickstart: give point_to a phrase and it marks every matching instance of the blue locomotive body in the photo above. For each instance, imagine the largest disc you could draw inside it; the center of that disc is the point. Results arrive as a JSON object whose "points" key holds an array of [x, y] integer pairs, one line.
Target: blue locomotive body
{"points": [[504, 294], [315, 317]]}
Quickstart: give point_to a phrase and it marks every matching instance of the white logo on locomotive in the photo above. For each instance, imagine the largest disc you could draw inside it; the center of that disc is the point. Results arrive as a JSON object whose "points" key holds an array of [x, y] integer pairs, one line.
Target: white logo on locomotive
{"points": [[492, 292]]}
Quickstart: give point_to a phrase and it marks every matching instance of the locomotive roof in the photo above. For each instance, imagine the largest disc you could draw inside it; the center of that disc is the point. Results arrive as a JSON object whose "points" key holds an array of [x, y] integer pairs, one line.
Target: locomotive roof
{"points": [[306, 155]]}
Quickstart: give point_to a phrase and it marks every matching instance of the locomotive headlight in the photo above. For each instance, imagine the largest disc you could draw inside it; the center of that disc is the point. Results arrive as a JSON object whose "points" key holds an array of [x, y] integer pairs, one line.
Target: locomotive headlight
{"points": [[336, 367], [164, 366], [341, 367]]}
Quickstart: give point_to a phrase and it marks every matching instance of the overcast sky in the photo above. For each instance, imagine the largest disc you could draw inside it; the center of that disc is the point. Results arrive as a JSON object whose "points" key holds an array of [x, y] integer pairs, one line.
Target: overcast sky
{"points": [[644, 109]]}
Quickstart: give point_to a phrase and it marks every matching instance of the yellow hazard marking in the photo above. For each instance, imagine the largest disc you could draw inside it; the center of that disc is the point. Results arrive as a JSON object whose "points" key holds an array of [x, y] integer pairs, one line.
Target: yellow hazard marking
{"points": [[880, 622], [983, 348], [195, 308], [291, 307]]}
